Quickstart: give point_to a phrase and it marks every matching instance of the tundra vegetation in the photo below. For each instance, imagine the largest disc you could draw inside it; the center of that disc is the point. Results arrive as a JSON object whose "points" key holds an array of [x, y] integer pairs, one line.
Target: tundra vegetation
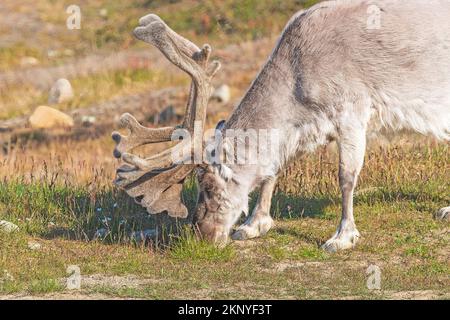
{"points": [[56, 185]]}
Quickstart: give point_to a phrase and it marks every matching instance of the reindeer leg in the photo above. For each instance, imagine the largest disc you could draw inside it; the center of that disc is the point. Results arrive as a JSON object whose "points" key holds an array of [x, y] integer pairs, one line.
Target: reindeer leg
{"points": [[352, 145], [260, 222]]}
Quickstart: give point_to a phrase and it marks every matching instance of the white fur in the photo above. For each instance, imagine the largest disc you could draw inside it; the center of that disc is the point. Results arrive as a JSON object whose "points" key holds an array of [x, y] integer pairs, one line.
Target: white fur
{"points": [[330, 77]]}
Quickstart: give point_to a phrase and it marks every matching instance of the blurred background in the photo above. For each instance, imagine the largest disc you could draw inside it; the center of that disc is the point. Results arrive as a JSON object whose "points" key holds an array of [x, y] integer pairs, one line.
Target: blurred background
{"points": [[37, 47]]}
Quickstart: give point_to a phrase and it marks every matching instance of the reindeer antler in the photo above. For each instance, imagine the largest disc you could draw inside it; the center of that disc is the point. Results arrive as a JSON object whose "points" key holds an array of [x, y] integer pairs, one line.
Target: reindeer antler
{"points": [[156, 182]]}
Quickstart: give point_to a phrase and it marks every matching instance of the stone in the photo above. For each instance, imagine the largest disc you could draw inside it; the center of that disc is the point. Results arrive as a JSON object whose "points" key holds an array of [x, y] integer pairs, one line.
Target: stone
{"points": [[443, 214], [52, 53], [32, 245], [8, 227], [29, 62], [60, 92], [222, 94], [46, 118], [103, 12], [68, 52], [88, 120]]}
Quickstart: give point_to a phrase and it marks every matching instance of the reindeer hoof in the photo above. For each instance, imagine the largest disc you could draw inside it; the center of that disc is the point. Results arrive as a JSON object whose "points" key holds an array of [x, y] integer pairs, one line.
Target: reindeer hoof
{"points": [[342, 242], [254, 229]]}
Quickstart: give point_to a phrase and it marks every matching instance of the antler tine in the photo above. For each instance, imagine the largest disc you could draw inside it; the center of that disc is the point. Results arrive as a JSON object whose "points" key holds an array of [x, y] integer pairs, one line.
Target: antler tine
{"points": [[161, 160], [139, 135], [187, 56], [190, 116], [156, 182], [215, 67], [177, 49], [184, 44]]}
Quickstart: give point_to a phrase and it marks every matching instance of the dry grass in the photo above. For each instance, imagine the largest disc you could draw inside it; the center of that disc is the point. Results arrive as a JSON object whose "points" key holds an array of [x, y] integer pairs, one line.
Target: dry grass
{"points": [[44, 25], [90, 90], [60, 199]]}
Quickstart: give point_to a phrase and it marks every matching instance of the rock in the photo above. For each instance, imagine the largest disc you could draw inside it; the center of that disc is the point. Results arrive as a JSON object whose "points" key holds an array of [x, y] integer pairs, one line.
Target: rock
{"points": [[29, 62], [8, 227], [143, 235], [88, 121], [52, 53], [45, 118], [103, 12], [443, 214], [222, 94], [60, 92], [68, 52], [32, 245]]}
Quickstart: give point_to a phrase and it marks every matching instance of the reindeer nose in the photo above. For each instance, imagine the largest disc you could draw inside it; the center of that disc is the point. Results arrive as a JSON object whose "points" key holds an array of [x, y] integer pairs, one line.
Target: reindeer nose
{"points": [[214, 232]]}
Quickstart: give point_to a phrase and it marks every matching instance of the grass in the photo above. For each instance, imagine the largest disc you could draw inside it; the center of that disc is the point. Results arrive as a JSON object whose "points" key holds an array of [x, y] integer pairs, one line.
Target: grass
{"points": [[244, 20], [11, 57], [59, 191], [188, 248], [218, 22], [90, 90], [44, 210], [400, 189], [214, 20]]}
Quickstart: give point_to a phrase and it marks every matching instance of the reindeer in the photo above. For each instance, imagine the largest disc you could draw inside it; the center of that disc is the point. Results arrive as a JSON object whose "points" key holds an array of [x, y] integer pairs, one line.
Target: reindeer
{"points": [[332, 76]]}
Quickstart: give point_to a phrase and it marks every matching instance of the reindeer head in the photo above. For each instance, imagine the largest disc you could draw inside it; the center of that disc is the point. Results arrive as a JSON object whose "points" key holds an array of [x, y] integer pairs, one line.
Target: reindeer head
{"points": [[156, 182], [221, 201]]}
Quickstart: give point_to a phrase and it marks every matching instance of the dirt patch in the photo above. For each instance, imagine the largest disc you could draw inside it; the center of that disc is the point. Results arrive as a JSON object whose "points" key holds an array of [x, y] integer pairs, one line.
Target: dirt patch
{"points": [[129, 281], [418, 295], [61, 296]]}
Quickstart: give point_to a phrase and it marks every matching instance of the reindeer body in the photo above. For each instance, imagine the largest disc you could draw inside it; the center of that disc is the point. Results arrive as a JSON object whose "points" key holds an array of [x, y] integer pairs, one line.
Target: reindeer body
{"points": [[333, 77], [329, 66], [339, 69]]}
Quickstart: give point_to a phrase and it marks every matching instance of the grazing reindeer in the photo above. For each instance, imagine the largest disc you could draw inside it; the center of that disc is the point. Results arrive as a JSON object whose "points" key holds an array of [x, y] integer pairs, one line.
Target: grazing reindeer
{"points": [[333, 75]]}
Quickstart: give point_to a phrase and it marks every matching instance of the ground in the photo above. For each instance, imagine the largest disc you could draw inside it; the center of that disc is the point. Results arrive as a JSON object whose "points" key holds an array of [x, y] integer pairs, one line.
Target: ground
{"points": [[57, 185]]}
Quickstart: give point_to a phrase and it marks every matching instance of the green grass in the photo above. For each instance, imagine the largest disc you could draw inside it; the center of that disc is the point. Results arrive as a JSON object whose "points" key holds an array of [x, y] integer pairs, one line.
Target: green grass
{"points": [[237, 20], [393, 212], [46, 210], [188, 248], [10, 57]]}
